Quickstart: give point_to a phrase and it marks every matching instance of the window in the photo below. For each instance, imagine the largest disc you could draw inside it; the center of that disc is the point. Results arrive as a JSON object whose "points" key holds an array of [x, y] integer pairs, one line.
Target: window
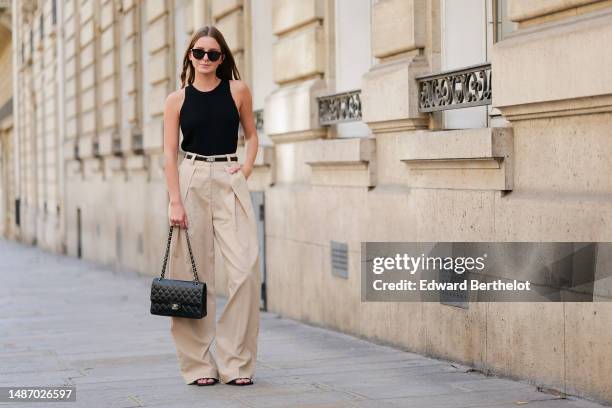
{"points": [[499, 27], [502, 26], [469, 30], [464, 43], [353, 55]]}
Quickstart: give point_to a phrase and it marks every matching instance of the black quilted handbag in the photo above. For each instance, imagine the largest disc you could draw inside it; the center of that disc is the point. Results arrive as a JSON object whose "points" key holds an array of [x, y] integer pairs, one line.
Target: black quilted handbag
{"points": [[181, 298]]}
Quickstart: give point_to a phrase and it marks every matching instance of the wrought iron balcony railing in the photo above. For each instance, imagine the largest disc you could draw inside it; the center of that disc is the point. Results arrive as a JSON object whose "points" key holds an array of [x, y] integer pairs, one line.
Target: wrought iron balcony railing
{"points": [[459, 88], [339, 108]]}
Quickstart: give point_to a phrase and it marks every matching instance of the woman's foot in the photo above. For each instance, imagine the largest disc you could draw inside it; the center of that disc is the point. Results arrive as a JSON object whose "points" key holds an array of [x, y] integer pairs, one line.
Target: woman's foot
{"points": [[205, 381], [241, 381]]}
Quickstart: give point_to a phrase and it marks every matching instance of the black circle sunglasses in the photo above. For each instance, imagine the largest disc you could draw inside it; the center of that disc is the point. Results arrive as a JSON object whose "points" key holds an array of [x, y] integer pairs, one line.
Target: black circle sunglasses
{"points": [[198, 53]]}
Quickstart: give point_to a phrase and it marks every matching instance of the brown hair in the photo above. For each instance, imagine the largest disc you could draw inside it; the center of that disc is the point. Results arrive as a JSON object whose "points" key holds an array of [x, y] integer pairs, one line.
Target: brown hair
{"points": [[226, 70]]}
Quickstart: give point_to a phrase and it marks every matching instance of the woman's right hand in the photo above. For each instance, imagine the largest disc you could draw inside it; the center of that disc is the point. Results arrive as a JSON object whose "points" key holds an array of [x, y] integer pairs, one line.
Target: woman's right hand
{"points": [[178, 215]]}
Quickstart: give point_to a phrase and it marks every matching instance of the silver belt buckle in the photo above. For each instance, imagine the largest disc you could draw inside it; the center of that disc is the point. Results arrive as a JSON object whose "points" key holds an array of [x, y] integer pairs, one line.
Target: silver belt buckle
{"points": [[210, 159]]}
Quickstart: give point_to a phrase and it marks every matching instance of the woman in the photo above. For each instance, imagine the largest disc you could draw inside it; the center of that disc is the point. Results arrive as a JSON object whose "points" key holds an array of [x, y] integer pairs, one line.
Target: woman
{"points": [[210, 200]]}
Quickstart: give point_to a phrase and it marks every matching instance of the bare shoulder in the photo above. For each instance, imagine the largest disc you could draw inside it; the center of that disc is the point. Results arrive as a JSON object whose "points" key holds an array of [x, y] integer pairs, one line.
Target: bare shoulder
{"points": [[175, 99], [239, 86]]}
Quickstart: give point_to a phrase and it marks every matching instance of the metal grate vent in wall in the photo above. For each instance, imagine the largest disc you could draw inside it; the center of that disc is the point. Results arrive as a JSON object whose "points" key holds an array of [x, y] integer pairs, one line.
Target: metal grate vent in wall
{"points": [[339, 259], [17, 212]]}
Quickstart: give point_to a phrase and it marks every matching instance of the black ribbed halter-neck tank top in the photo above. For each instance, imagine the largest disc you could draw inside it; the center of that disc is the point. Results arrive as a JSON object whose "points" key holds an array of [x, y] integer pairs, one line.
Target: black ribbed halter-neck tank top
{"points": [[209, 120]]}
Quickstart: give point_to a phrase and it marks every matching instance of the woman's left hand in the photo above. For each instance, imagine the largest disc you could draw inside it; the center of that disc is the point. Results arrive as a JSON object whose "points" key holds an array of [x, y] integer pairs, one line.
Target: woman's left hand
{"points": [[246, 170]]}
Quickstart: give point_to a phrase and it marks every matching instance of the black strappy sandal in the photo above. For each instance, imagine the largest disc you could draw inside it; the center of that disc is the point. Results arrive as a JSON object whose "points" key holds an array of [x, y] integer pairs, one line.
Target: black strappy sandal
{"points": [[206, 383], [233, 382]]}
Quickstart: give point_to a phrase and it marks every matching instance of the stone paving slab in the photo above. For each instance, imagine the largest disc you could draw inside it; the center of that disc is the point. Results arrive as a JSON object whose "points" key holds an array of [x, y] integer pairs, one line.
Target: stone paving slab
{"points": [[66, 321]]}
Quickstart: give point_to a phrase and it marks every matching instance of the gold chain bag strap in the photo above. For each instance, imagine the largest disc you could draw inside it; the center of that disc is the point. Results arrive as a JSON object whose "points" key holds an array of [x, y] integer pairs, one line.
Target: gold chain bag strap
{"points": [[180, 298]]}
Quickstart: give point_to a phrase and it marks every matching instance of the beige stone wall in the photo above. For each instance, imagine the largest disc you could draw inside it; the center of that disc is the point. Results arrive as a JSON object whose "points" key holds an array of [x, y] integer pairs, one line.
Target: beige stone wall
{"points": [[35, 124], [535, 12], [544, 178], [6, 66], [7, 191], [7, 178], [122, 219]]}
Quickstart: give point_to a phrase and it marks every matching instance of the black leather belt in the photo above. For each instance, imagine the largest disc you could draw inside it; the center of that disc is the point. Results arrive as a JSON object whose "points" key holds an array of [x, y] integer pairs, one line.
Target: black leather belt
{"points": [[211, 159]]}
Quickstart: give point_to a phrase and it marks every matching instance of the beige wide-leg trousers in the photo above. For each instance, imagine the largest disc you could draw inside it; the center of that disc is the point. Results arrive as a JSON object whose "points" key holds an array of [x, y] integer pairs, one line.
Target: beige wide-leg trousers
{"points": [[219, 212]]}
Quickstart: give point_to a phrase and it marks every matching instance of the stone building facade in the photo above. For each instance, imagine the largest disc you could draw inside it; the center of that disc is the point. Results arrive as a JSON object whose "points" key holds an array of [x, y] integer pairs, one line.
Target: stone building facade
{"points": [[356, 144], [7, 184]]}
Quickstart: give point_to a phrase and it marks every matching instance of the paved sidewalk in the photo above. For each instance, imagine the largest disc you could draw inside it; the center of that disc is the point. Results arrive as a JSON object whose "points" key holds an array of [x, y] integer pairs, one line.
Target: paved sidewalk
{"points": [[65, 321]]}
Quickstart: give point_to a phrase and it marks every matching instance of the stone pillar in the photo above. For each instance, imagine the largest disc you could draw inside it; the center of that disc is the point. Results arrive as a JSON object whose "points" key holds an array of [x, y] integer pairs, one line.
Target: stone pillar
{"points": [[229, 17], [17, 43], [50, 151], [27, 126], [110, 79], [131, 83], [199, 13], [71, 80], [86, 46], [301, 57], [160, 67], [389, 90]]}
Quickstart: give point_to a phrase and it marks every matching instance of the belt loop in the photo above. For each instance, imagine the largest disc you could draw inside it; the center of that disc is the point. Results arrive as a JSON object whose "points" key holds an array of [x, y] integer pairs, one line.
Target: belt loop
{"points": [[228, 158], [193, 156]]}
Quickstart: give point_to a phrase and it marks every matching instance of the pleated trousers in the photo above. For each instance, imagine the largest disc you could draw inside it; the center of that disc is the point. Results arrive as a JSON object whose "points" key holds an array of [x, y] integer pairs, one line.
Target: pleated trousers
{"points": [[219, 212]]}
